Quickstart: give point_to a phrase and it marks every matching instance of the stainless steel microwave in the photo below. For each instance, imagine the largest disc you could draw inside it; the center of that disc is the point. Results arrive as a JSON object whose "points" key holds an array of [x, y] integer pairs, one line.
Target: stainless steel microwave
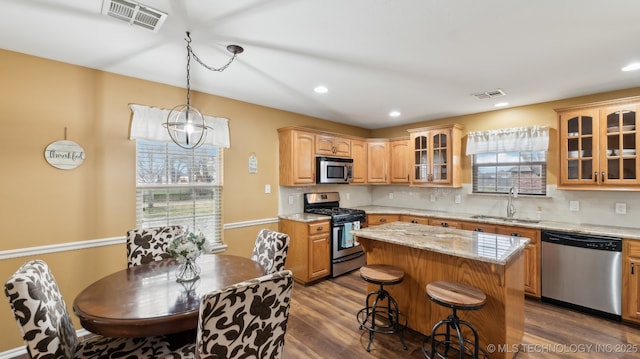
{"points": [[334, 170]]}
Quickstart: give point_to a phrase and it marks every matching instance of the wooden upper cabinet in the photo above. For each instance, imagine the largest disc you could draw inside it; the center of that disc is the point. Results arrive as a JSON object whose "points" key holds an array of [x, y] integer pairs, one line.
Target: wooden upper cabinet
{"points": [[378, 157], [359, 156], [399, 161], [435, 156], [297, 157], [333, 146], [597, 144]]}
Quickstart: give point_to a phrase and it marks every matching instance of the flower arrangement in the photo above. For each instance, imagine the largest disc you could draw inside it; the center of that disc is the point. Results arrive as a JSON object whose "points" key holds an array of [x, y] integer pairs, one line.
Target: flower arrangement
{"points": [[188, 246]]}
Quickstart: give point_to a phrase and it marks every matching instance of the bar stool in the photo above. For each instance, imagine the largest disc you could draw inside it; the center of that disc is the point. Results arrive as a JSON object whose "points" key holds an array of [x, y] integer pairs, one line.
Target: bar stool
{"points": [[456, 296], [378, 318]]}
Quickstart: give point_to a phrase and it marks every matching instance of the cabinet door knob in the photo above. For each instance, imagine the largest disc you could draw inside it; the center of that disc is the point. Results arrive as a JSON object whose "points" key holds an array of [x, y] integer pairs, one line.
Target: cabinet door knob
{"points": [[515, 235], [595, 176], [319, 228], [444, 224], [478, 230], [383, 220], [414, 221], [603, 177]]}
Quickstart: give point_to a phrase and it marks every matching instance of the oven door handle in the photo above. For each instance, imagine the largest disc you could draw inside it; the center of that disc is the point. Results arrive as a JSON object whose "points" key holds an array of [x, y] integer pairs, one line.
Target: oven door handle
{"points": [[349, 257]]}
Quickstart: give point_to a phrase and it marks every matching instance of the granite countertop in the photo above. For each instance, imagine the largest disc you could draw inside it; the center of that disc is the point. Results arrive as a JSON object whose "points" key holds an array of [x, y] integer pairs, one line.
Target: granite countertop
{"points": [[485, 247], [304, 217], [624, 232]]}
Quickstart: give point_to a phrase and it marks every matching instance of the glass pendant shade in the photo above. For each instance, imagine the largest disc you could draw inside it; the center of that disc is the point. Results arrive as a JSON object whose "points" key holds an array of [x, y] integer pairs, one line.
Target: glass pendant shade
{"points": [[186, 126]]}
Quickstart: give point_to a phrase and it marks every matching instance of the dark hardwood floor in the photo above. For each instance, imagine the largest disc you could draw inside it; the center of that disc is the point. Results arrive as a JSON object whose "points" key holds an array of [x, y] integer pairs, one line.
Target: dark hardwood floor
{"points": [[322, 324]]}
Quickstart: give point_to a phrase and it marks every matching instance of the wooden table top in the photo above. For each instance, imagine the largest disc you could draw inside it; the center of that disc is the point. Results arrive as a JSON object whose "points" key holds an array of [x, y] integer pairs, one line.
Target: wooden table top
{"points": [[146, 300]]}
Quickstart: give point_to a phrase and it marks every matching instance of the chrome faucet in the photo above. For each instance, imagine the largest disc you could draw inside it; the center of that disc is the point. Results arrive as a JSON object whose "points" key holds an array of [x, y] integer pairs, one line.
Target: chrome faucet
{"points": [[511, 209]]}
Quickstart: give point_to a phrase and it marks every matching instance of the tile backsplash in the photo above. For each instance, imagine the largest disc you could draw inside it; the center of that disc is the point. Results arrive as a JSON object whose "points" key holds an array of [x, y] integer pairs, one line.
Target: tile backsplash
{"points": [[593, 207]]}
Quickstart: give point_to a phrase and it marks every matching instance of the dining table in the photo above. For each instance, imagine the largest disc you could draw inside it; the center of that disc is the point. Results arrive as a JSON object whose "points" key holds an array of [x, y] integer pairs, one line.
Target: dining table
{"points": [[147, 300]]}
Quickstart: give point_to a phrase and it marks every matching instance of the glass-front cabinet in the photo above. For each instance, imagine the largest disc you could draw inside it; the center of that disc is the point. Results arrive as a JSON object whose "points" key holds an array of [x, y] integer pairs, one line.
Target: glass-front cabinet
{"points": [[435, 156], [598, 145]]}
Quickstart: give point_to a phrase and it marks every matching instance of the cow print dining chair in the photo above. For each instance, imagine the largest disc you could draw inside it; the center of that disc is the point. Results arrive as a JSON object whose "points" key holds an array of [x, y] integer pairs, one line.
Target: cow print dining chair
{"points": [[48, 332], [245, 320], [270, 250], [150, 244]]}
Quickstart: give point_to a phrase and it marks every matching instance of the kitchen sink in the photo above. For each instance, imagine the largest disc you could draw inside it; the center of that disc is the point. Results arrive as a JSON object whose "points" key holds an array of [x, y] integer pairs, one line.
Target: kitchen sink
{"points": [[505, 219]]}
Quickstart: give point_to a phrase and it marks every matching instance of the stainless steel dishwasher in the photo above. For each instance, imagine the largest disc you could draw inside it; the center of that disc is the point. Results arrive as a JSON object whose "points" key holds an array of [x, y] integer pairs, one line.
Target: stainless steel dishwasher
{"points": [[583, 272]]}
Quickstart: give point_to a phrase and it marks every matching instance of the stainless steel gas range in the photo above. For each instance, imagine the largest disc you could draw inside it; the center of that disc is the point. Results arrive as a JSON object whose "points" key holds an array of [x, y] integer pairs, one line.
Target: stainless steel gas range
{"points": [[346, 253]]}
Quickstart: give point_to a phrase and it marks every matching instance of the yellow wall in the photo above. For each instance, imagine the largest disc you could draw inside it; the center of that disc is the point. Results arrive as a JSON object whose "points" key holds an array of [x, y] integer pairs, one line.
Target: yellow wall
{"points": [[41, 205]]}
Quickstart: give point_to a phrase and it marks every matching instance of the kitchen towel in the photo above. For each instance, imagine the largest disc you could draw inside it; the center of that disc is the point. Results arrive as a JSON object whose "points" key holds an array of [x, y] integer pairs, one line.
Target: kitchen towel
{"points": [[347, 237]]}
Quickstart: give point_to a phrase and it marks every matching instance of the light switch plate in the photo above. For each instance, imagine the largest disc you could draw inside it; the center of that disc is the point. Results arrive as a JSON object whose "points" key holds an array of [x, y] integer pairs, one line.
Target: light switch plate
{"points": [[621, 208], [574, 206], [267, 188]]}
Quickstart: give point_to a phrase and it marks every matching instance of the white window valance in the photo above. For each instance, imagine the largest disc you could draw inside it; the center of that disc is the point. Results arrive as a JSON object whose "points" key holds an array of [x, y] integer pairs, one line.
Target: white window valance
{"points": [[520, 139], [147, 125]]}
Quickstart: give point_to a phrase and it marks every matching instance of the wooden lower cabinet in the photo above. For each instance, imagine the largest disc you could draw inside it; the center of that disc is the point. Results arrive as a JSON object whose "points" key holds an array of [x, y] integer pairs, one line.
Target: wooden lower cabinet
{"points": [[631, 280], [309, 254], [531, 256]]}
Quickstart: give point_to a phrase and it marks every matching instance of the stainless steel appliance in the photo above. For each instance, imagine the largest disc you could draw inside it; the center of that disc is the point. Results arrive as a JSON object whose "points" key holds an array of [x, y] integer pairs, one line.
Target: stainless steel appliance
{"points": [[346, 253], [583, 272], [334, 170]]}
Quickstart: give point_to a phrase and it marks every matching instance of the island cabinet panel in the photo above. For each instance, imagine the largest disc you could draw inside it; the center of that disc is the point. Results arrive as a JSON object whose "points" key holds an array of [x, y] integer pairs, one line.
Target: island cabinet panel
{"points": [[499, 322], [631, 281], [309, 253]]}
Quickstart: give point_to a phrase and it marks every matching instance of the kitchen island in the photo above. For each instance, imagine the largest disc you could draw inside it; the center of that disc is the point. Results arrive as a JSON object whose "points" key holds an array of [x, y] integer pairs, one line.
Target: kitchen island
{"points": [[491, 262]]}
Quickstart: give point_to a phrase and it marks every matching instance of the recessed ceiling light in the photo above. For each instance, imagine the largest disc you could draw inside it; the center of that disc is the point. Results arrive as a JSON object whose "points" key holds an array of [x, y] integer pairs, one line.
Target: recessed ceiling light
{"points": [[632, 67], [321, 89], [395, 114], [501, 104]]}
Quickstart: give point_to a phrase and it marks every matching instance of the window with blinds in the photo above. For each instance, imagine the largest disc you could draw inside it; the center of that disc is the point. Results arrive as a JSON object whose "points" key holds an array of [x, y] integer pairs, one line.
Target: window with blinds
{"points": [[497, 172], [175, 186]]}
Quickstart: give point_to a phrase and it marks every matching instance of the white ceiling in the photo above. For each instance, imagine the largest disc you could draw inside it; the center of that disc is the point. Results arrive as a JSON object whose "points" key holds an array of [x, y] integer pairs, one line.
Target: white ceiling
{"points": [[424, 58]]}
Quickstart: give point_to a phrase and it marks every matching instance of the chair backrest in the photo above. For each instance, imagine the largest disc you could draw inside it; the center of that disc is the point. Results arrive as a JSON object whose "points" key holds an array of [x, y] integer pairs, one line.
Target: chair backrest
{"points": [[41, 312], [270, 250], [248, 319], [150, 244]]}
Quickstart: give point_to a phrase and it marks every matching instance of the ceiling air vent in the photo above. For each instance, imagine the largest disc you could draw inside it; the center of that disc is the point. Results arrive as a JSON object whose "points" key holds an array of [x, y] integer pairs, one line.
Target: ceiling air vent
{"points": [[489, 94], [134, 13]]}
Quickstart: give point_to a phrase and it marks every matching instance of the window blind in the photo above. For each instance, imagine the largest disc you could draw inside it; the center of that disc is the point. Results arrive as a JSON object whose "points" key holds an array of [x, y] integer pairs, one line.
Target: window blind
{"points": [[175, 186]]}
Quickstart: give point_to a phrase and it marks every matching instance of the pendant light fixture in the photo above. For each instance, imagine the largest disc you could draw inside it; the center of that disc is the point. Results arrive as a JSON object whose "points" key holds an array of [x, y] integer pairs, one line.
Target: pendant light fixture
{"points": [[185, 123]]}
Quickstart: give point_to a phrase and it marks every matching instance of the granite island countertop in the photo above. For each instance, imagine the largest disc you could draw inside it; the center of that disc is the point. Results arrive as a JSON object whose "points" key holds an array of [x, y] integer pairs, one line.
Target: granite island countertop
{"points": [[484, 247]]}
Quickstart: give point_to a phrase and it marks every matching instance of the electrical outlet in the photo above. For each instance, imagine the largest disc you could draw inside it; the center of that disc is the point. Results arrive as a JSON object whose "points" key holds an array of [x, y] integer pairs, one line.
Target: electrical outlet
{"points": [[267, 188], [290, 199], [390, 195], [574, 206], [621, 208], [348, 196], [432, 197], [457, 199]]}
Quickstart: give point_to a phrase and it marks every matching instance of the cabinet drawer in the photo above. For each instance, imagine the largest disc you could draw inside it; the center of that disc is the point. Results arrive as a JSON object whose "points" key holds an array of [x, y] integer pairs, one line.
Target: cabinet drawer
{"points": [[414, 219], [319, 227], [375, 219], [633, 248], [531, 233]]}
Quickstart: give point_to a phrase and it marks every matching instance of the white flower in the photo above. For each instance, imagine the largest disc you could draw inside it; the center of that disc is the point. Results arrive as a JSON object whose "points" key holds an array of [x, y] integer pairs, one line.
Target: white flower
{"points": [[188, 246]]}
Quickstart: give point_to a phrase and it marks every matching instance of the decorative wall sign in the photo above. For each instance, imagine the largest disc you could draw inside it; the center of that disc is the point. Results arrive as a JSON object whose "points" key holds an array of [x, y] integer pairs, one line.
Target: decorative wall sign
{"points": [[65, 155], [253, 163]]}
